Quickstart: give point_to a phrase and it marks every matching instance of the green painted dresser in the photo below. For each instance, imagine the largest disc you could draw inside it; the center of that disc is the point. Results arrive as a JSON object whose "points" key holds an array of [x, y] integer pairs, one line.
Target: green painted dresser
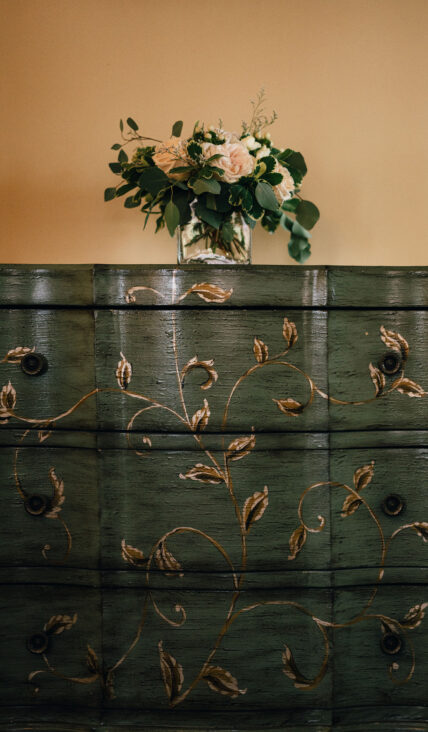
{"points": [[214, 486]]}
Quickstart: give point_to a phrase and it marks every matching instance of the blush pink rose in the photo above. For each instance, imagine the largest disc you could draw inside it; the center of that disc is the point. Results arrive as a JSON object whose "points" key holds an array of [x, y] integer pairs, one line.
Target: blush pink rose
{"points": [[284, 190], [235, 161], [172, 154]]}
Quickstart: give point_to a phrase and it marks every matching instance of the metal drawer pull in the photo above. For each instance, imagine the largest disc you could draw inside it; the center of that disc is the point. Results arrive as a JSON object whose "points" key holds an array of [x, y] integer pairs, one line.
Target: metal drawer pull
{"points": [[36, 505], [38, 643], [34, 364], [393, 505], [390, 643], [391, 362]]}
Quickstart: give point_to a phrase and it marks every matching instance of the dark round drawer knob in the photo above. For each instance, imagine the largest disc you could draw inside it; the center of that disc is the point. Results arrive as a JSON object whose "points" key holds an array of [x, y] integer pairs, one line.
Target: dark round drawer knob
{"points": [[390, 643], [38, 643], [36, 505], [393, 505], [34, 364], [391, 362]]}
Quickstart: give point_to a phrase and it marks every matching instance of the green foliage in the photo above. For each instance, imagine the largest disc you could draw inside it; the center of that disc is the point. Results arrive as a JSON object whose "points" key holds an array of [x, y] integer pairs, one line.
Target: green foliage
{"points": [[299, 249], [203, 185], [177, 129], [194, 150], [153, 180], [307, 214], [265, 196], [213, 218], [172, 217], [133, 125]]}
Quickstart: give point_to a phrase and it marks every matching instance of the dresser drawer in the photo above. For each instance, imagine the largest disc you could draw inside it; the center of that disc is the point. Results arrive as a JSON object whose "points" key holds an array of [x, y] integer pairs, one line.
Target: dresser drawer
{"points": [[46, 629], [388, 526], [247, 674], [377, 367], [45, 386], [232, 360], [183, 504], [380, 669], [50, 509]]}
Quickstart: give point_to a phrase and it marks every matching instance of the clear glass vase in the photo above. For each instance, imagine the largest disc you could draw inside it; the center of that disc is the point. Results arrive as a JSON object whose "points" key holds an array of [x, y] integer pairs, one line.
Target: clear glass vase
{"points": [[200, 242]]}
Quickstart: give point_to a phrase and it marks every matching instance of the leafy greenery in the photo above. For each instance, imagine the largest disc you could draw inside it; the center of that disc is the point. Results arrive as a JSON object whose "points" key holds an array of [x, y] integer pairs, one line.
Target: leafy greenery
{"points": [[197, 176]]}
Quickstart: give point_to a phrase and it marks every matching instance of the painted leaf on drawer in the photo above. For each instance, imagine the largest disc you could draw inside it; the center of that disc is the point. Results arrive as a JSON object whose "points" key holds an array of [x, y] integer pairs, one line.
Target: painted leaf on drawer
{"points": [[236, 366], [381, 523], [377, 369], [171, 513], [46, 647], [52, 515], [47, 370]]}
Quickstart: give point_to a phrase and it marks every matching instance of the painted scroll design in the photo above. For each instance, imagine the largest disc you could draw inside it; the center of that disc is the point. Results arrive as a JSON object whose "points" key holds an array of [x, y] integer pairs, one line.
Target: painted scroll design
{"points": [[215, 472]]}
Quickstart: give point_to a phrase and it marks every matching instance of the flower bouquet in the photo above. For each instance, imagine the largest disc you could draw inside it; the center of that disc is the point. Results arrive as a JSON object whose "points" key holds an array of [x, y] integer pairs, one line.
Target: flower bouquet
{"points": [[214, 186]]}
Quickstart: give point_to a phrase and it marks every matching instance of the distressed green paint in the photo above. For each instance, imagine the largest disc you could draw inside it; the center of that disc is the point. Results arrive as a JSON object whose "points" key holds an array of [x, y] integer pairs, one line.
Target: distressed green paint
{"points": [[79, 318]]}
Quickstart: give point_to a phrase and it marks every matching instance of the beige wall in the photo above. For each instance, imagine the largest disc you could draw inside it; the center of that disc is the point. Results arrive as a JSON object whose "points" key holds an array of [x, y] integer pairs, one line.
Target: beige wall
{"points": [[348, 79]]}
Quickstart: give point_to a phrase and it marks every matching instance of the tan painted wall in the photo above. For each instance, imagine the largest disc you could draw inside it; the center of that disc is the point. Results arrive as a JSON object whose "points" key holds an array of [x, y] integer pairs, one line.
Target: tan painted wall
{"points": [[348, 79]]}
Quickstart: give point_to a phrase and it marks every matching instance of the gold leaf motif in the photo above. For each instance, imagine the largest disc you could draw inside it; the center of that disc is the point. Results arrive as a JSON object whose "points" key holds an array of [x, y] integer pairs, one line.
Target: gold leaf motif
{"points": [[363, 476], [395, 341], [92, 661], [297, 540], [123, 372], [289, 407], [166, 562], [7, 401], [58, 496], [414, 616], [45, 431], [254, 507], [289, 331], [209, 293], [222, 681], [203, 473], [58, 623], [421, 528], [200, 419], [109, 684], [408, 387], [130, 294], [132, 555], [261, 351], [172, 673], [241, 447], [350, 505], [15, 355], [378, 379], [207, 365], [290, 669]]}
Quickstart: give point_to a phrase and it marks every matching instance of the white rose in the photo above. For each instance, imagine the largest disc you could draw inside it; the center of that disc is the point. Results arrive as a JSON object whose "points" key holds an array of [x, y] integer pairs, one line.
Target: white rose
{"points": [[263, 152], [284, 190], [250, 142], [235, 161]]}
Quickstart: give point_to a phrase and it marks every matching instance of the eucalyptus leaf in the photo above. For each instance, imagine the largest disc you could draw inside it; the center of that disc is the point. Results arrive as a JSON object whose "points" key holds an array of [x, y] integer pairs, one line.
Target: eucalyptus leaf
{"points": [[122, 157], [124, 189], [116, 146], [299, 249], [213, 218], [172, 217], [265, 196], [177, 128], [115, 167], [307, 214], [109, 194], [153, 179], [121, 125], [296, 160], [206, 185], [299, 230], [132, 124]]}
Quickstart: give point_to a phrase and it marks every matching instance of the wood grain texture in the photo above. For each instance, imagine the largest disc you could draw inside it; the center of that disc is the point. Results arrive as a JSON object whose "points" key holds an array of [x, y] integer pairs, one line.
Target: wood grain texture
{"points": [[146, 340], [46, 285], [72, 533], [66, 339], [354, 341], [392, 287]]}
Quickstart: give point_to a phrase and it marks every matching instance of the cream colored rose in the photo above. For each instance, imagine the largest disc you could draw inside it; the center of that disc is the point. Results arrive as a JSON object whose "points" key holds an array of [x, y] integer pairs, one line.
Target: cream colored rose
{"points": [[284, 190], [172, 154], [250, 142], [235, 161]]}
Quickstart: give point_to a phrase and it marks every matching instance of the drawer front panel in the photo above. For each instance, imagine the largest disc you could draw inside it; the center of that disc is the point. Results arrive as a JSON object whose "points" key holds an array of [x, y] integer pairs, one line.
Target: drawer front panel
{"points": [[185, 508], [50, 513], [47, 629], [243, 657], [379, 515], [378, 665], [231, 362], [383, 385], [56, 378]]}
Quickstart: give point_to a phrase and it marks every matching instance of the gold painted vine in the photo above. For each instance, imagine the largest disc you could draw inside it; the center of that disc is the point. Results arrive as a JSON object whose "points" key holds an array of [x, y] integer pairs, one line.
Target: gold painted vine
{"points": [[214, 472]]}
